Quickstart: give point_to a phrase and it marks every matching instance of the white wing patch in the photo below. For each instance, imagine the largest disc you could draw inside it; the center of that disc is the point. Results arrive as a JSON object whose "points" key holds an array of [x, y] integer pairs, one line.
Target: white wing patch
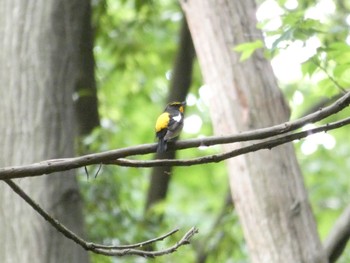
{"points": [[177, 118]]}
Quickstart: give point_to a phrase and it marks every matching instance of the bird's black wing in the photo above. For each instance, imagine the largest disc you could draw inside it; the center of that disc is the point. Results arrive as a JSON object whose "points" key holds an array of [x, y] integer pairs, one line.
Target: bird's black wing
{"points": [[173, 124]]}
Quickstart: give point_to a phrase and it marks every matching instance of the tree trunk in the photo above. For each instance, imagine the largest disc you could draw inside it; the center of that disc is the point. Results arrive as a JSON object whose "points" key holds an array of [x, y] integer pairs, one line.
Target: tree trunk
{"points": [[179, 86], [39, 70], [86, 104], [267, 186]]}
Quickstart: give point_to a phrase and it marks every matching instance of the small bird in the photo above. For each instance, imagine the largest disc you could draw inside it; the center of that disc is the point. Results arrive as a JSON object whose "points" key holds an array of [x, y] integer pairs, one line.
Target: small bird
{"points": [[169, 124]]}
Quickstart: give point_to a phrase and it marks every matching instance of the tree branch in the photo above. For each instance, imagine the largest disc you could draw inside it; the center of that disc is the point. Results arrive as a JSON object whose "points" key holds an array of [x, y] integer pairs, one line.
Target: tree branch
{"points": [[56, 165], [103, 249], [268, 144], [323, 102]]}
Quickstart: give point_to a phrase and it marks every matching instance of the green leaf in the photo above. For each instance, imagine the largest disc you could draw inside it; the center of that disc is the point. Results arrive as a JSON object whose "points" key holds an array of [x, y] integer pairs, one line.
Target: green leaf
{"points": [[309, 67], [248, 48], [287, 35]]}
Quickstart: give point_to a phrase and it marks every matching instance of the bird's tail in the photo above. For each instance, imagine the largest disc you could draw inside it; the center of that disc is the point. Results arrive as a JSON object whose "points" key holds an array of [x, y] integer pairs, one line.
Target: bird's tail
{"points": [[162, 145]]}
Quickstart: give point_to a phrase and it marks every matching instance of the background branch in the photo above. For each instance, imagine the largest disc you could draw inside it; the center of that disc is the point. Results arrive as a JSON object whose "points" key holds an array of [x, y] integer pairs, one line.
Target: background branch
{"points": [[205, 247], [56, 165], [338, 237], [103, 249]]}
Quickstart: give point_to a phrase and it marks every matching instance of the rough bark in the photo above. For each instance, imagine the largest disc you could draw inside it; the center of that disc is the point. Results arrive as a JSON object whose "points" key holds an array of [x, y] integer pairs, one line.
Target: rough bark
{"points": [[267, 186], [39, 70]]}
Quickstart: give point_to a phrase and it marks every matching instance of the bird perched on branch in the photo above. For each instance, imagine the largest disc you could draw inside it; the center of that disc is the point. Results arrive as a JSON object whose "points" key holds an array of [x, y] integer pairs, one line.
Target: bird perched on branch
{"points": [[169, 124]]}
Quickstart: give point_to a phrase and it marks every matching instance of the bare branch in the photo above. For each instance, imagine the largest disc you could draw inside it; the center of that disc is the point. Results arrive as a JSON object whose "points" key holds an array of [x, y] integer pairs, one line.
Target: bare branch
{"points": [[61, 228], [268, 144], [103, 249], [185, 240], [57, 165], [141, 244]]}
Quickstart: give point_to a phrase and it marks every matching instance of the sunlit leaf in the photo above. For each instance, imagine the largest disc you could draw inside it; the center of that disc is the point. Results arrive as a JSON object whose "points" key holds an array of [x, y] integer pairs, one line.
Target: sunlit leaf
{"points": [[247, 49]]}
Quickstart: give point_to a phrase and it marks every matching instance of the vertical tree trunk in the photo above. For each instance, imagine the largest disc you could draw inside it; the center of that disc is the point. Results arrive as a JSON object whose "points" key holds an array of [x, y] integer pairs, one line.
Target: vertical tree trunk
{"points": [[86, 104], [267, 186], [39, 70], [179, 86]]}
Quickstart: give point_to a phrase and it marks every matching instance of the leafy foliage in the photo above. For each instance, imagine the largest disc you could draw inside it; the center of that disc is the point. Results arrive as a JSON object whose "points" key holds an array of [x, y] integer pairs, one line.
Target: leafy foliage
{"points": [[247, 49]]}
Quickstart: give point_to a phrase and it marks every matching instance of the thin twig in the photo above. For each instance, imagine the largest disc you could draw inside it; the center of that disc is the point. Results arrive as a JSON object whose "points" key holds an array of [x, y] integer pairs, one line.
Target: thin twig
{"points": [[185, 240], [86, 172], [141, 244], [57, 165], [329, 76], [99, 248], [98, 170]]}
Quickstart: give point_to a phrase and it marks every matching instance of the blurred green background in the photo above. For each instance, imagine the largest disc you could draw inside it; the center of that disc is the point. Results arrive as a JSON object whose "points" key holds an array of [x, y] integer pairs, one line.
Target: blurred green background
{"points": [[135, 46]]}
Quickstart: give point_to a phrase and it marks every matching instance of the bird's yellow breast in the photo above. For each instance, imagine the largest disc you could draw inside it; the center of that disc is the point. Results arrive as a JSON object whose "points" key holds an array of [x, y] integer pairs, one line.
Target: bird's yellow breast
{"points": [[162, 121]]}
